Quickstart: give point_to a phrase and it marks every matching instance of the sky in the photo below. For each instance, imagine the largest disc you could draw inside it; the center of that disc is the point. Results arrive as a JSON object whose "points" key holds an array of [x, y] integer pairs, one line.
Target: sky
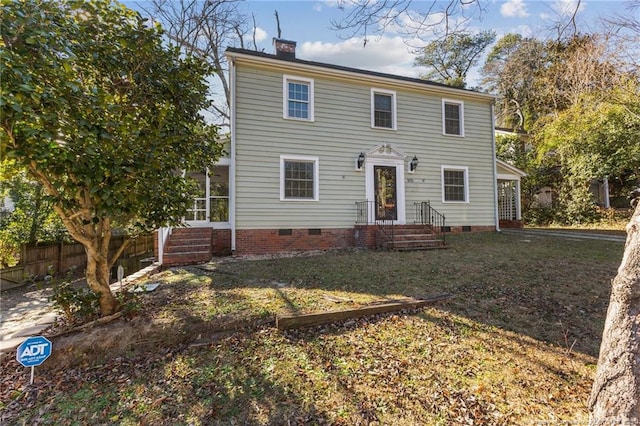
{"points": [[308, 22]]}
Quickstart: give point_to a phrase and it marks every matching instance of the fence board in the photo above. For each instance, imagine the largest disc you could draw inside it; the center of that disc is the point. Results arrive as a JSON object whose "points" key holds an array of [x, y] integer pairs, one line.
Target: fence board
{"points": [[36, 260]]}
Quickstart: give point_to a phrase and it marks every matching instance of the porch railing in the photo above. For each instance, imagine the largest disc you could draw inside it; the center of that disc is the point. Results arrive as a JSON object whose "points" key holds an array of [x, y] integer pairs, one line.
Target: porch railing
{"points": [[428, 216], [366, 215]]}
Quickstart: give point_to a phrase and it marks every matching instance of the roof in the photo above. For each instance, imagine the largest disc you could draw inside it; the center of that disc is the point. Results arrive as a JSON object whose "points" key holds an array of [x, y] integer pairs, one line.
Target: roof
{"points": [[509, 169], [235, 52]]}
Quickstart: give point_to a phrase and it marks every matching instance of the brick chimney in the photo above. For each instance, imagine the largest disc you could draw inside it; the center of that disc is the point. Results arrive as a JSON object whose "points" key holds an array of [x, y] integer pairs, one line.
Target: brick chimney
{"points": [[285, 49]]}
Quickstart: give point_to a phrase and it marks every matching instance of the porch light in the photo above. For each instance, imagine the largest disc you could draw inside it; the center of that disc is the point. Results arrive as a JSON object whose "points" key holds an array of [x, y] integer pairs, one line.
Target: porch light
{"points": [[413, 165], [360, 161]]}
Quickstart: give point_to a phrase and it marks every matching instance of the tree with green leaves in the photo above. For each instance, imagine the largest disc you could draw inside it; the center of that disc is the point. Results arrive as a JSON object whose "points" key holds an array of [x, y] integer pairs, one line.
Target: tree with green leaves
{"points": [[450, 59], [100, 111]]}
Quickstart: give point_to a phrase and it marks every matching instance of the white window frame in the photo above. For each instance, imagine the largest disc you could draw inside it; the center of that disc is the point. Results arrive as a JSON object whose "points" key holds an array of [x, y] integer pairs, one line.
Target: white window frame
{"points": [[394, 115], [463, 169], [286, 79], [316, 176], [444, 127]]}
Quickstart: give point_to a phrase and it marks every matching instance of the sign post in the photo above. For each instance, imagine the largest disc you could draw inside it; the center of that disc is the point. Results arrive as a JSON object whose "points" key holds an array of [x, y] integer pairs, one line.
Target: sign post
{"points": [[33, 351]]}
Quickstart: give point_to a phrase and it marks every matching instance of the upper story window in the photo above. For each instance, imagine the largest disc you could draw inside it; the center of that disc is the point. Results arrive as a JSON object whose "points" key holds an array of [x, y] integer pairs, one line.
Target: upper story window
{"points": [[383, 109], [455, 184], [298, 98], [298, 178], [452, 117]]}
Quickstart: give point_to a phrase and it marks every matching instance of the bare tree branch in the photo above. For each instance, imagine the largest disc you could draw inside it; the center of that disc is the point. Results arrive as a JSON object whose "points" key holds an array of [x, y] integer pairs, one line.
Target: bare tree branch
{"points": [[411, 18], [206, 29]]}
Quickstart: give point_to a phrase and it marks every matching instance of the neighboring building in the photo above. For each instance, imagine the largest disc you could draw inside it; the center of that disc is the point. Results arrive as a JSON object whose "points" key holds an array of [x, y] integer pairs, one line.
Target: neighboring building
{"points": [[325, 156]]}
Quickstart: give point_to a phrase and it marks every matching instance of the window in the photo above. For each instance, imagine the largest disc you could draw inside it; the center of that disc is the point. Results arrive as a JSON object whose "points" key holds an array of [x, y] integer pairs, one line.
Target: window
{"points": [[383, 109], [452, 117], [298, 178], [298, 98], [455, 185]]}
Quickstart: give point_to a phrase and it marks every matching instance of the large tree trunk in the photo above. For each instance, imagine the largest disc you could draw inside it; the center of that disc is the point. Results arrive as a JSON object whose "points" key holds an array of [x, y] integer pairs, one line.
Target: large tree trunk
{"points": [[98, 280], [615, 397]]}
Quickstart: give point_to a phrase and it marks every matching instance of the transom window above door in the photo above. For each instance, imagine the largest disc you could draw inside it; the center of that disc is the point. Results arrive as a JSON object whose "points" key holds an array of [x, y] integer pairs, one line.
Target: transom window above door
{"points": [[297, 98], [383, 109]]}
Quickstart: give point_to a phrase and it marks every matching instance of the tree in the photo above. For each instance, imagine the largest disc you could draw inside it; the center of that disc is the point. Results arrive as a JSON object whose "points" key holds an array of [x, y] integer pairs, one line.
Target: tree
{"points": [[99, 111], [205, 29], [510, 71], [449, 60], [32, 219], [411, 18], [615, 396]]}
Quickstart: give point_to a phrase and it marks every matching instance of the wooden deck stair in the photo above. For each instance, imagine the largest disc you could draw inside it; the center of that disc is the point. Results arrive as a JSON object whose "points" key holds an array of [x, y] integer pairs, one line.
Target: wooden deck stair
{"points": [[409, 237], [188, 246]]}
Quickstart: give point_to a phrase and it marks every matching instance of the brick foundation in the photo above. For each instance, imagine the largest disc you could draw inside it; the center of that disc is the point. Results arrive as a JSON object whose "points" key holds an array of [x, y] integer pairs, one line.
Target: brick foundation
{"points": [[511, 224], [264, 241]]}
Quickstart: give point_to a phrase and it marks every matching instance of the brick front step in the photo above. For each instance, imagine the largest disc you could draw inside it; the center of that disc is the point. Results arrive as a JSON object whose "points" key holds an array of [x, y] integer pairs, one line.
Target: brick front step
{"points": [[409, 237]]}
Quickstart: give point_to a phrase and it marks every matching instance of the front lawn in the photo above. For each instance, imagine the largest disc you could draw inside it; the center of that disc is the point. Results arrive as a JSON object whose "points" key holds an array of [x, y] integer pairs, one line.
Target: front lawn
{"points": [[516, 344]]}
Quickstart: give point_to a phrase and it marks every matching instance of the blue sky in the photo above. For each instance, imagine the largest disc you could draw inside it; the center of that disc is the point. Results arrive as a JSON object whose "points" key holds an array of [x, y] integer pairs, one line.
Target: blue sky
{"points": [[308, 22]]}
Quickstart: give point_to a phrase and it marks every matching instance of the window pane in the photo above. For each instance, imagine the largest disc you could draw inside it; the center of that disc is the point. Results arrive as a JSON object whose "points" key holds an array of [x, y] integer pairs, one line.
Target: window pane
{"points": [[452, 119], [298, 179], [298, 98], [382, 110], [454, 189]]}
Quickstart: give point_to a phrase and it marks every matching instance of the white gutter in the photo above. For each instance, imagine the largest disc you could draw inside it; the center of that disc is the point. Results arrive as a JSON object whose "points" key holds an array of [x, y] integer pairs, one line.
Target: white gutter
{"points": [[232, 166], [495, 171]]}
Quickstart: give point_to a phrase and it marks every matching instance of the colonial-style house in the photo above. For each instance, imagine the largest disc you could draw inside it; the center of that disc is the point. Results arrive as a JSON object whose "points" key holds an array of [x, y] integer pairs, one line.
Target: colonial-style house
{"points": [[325, 156]]}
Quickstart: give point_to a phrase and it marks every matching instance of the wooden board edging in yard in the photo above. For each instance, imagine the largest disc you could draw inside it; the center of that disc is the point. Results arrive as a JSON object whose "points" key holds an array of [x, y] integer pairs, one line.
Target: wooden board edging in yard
{"points": [[284, 322]]}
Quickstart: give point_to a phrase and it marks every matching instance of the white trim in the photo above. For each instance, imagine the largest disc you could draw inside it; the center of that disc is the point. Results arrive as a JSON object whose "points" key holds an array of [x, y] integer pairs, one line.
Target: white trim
{"points": [[316, 176], [394, 115], [286, 79], [464, 169], [392, 161], [232, 165], [461, 105], [496, 211]]}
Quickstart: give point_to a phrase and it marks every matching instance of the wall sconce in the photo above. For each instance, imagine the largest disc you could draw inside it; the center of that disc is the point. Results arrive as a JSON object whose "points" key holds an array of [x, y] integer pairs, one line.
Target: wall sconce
{"points": [[360, 161], [413, 164]]}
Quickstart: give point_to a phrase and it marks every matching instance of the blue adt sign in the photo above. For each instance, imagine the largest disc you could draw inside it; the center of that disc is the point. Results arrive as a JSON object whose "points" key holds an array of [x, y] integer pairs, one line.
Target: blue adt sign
{"points": [[33, 351]]}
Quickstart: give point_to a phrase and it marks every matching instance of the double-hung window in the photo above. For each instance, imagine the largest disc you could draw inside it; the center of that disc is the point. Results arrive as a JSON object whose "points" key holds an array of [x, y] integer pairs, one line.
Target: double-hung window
{"points": [[383, 109], [452, 117], [298, 178], [455, 184], [298, 98]]}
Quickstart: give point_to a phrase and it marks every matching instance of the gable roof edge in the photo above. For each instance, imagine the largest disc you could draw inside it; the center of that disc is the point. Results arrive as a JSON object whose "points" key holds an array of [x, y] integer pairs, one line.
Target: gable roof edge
{"points": [[353, 73]]}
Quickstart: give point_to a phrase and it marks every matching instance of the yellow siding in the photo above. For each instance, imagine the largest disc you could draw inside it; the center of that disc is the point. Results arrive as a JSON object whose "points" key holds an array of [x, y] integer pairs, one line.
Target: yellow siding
{"points": [[341, 131]]}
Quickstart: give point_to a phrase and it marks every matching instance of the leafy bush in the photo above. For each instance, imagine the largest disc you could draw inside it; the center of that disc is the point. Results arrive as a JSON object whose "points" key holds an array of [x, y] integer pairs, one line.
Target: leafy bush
{"points": [[77, 305]]}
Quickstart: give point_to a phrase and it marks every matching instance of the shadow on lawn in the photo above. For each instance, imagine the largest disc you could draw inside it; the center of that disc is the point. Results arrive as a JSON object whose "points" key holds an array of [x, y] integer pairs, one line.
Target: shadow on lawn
{"points": [[548, 288]]}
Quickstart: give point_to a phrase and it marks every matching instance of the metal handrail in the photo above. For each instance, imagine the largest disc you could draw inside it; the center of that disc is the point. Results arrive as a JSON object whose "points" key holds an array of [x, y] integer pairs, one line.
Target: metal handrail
{"points": [[428, 216]]}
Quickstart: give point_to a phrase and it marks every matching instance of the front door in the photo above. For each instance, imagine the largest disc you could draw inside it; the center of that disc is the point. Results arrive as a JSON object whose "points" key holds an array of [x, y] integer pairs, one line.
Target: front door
{"points": [[385, 187], [385, 192]]}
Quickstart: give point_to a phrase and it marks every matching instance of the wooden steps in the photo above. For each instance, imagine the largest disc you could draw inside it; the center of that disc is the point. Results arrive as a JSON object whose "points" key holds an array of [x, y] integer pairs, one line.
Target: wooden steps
{"points": [[188, 246]]}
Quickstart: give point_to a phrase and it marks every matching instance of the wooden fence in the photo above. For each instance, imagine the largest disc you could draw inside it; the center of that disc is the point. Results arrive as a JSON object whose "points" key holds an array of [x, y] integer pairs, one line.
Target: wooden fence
{"points": [[37, 260]]}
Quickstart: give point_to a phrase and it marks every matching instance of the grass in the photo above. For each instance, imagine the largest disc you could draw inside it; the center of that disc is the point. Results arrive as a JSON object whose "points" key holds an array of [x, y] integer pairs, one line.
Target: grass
{"points": [[517, 344]]}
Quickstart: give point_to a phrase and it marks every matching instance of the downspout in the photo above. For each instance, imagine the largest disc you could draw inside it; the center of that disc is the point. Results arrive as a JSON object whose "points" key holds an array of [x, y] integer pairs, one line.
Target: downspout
{"points": [[232, 166], [495, 172]]}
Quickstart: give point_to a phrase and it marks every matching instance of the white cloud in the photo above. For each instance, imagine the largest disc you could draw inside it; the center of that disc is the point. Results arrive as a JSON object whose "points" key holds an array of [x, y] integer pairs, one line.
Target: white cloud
{"points": [[385, 54], [261, 34], [317, 7], [514, 9]]}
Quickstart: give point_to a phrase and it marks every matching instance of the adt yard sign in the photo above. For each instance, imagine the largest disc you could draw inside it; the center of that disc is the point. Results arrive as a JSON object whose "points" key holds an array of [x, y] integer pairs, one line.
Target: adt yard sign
{"points": [[33, 351]]}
